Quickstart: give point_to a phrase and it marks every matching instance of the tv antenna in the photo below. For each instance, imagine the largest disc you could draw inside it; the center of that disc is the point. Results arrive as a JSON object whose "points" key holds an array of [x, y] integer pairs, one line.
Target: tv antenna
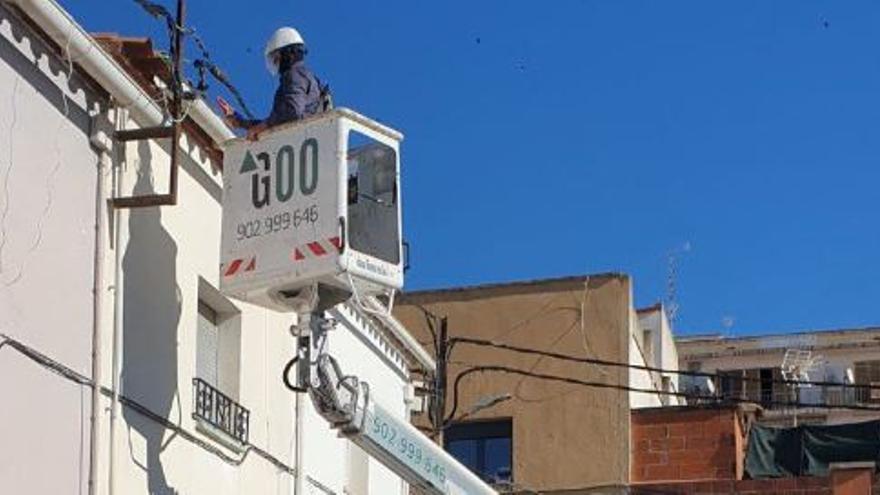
{"points": [[797, 365], [671, 302]]}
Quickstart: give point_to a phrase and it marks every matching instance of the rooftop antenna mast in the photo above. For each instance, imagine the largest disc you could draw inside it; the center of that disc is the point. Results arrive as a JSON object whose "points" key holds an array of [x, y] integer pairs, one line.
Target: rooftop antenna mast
{"points": [[671, 302]]}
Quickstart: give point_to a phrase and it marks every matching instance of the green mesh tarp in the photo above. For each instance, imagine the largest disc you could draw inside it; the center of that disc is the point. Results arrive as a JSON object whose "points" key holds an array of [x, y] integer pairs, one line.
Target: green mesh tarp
{"points": [[808, 450]]}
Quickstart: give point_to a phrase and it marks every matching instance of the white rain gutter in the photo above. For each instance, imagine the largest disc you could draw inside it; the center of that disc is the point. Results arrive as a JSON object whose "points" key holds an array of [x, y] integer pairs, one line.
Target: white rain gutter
{"points": [[99, 65], [401, 333]]}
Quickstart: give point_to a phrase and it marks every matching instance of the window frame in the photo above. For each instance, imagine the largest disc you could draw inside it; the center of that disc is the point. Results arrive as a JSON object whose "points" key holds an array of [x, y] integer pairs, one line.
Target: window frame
{"points": [[481, 431], [867, 373]]}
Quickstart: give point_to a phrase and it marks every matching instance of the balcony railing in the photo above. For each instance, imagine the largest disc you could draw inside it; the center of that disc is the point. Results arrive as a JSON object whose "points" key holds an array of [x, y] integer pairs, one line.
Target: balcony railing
{"points": [[218, 410], [843, 395]]}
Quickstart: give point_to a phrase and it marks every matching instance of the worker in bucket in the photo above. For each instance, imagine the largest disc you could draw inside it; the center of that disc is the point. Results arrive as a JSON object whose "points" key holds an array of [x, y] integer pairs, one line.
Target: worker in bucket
{"points": [[299, 94]]}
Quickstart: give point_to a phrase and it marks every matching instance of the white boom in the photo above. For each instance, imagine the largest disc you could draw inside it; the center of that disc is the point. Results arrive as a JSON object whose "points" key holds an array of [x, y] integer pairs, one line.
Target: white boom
{"points": [[345, 403]]}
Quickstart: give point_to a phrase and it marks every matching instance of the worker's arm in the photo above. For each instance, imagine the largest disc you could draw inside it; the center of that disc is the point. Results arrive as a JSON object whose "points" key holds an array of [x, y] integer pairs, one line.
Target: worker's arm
{"points": [[246, 123], [253, 132], [253, 126], [234, 119]]}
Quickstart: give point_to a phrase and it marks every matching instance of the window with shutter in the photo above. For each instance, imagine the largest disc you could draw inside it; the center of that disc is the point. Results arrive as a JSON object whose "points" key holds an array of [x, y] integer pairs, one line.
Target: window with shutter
{"points": [[207, 345]]}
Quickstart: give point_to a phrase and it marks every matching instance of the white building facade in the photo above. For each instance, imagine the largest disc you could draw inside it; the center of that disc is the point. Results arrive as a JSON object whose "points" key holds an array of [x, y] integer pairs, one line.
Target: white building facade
{"points": [[652, 345], [190, 397]]}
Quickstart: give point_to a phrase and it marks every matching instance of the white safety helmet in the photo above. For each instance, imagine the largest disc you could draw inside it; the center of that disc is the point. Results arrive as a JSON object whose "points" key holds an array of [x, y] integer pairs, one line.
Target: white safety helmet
{"points": [[285, 36]]}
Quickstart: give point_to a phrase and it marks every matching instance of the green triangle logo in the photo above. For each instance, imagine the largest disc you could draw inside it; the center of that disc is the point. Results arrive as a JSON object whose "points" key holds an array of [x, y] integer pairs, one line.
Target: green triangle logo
{"points": [[248, 164]]}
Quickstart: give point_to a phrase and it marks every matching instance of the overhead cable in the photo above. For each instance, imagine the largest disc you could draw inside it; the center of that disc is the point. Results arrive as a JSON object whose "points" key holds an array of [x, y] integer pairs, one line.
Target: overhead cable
{"points": [[627, 388], [221, 77], [203, 65], [605, 362]]}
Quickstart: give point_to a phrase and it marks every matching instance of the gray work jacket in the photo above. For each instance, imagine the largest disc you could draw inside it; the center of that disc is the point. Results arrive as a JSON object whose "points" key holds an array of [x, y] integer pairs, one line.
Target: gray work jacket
{"points": [[298, 96]]}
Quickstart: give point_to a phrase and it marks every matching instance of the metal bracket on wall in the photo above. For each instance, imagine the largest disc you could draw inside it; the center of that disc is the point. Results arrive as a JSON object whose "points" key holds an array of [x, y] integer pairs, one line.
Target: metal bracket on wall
{"points": [[162, 131], [159, 132]]}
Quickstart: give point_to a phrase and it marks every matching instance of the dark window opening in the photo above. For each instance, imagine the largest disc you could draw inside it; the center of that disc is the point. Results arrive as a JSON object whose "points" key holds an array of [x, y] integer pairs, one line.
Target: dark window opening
{"points": [[767, 387], [730, 384], [485, 447]]}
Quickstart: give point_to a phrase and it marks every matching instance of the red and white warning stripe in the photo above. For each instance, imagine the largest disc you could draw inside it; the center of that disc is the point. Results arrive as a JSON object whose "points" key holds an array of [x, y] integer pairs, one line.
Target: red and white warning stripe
{"points": [[316, 249], [239, 266]]}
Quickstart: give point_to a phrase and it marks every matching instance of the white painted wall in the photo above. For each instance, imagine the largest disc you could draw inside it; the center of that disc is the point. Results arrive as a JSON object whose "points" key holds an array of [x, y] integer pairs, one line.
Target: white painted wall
{"points": [[165, 252], [640, 378], [49, 215], [659, 352], [665, 352], [47, 218]]}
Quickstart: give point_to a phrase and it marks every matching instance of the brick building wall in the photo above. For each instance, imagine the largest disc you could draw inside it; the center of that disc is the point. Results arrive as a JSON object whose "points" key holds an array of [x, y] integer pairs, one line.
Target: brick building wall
{"points": [[701, 451], [787, 486], [688, 443]]}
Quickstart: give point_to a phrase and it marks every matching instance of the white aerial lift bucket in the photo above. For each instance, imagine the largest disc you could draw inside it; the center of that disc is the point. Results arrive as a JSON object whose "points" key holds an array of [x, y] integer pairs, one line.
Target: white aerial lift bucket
{"points": [[313, 204]]}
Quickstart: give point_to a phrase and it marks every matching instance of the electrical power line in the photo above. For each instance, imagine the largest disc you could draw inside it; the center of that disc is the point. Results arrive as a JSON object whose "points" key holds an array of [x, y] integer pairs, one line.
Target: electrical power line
{"points": [[203, 65], [605, 362], [627, 388]]}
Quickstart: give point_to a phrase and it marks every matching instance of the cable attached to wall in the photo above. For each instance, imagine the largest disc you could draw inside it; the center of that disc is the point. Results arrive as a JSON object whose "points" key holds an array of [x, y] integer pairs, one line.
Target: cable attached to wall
{"points": [[76, 377]]}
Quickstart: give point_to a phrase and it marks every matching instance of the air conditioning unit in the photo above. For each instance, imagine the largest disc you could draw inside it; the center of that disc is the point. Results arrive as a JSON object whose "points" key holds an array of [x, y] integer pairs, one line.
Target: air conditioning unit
{"points": [[698, 385]]}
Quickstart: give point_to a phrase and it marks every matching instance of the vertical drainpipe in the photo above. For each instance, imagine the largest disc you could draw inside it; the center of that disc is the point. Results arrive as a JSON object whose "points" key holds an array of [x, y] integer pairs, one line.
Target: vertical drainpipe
{"points": [[298, 440], [121, 118], [103, 145]]}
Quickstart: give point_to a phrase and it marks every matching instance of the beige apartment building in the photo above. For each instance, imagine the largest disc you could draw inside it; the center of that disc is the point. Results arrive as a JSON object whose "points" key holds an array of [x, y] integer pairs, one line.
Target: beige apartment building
{"points": [[523, 433], [750, 369]]}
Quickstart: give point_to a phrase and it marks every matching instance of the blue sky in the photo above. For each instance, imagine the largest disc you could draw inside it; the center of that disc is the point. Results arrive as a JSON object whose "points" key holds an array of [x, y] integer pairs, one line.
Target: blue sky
{"points": [[555, 138]]}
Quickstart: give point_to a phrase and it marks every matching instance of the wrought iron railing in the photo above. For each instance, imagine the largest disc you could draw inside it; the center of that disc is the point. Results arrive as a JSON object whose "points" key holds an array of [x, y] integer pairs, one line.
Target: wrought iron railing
{"points": [[825, 395], [220, 411]]}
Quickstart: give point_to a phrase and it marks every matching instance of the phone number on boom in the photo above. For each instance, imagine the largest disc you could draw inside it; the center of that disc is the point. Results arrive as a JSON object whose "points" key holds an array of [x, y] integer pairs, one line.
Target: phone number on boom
{"points": [[278, 222]]}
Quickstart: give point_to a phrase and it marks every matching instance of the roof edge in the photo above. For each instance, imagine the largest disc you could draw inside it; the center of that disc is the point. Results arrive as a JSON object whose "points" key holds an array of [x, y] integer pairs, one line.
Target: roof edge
{"points": [[59, 26], [740, 338], [657, 306], [512, 287], [710, 406]]}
